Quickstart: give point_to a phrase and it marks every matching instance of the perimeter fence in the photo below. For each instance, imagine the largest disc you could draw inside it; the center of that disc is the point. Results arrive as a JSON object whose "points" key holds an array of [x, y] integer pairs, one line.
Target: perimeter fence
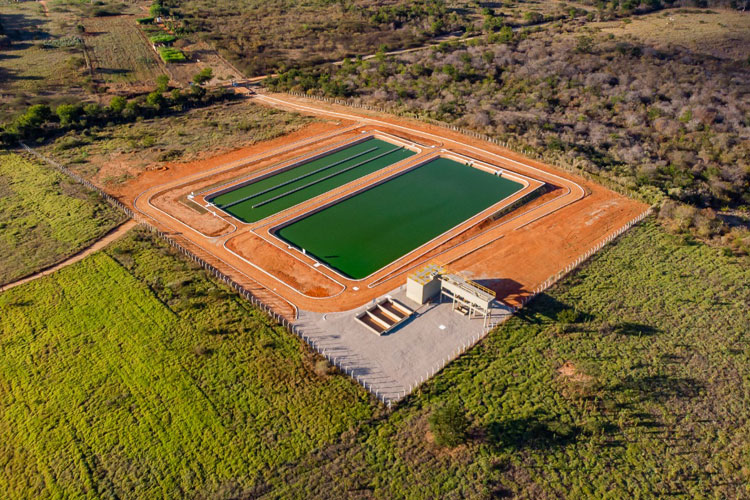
{"points": [[338, 362]]}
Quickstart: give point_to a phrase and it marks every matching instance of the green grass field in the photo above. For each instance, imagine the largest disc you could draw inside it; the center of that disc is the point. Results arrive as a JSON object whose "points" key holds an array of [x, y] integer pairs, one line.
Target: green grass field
{"points": [[363, 233], [131, 374], [273, 194], [44, 217]]}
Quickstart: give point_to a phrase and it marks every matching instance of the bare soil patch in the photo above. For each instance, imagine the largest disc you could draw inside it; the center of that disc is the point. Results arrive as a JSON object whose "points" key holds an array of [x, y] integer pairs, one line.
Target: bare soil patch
{"points": [[571, 372], [718, 32], [293, 272]]}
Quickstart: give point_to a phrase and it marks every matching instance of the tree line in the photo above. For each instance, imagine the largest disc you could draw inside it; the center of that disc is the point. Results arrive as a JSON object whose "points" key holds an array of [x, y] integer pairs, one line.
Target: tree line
{"points": [[40, 121]]}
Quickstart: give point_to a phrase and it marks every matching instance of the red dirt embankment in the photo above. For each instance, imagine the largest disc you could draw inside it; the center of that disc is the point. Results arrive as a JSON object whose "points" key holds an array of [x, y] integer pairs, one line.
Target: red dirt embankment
{"points": [[128, 191]]}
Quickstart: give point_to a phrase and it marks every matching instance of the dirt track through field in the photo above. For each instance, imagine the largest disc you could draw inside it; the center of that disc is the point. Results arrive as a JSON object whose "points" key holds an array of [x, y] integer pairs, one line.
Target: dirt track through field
{"points": [[110, 237]]}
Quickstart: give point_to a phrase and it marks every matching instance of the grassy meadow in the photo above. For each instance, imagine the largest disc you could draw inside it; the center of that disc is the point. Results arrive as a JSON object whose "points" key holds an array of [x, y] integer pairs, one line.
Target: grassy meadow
{"points": [[132, 374], [44, 56], [718, 32], [45, 217]]}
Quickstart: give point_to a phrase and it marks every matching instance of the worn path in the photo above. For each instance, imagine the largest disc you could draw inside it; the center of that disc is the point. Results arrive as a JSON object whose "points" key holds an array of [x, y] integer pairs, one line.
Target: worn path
{"points": [[113, 235]]}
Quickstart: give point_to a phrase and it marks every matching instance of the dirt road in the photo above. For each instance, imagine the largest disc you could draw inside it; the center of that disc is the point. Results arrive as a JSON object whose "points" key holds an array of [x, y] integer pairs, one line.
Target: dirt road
{"points": [[110, 237]]}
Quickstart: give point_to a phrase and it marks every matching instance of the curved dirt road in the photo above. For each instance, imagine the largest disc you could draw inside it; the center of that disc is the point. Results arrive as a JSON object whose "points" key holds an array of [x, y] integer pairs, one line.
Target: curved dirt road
{"points": [[113, 235]]}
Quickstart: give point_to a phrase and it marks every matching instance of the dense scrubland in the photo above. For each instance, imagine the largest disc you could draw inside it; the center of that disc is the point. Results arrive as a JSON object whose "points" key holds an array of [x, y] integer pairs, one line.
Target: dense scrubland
{"points": [[145, 377], [45, 217], [666, 124], [262, 36]]}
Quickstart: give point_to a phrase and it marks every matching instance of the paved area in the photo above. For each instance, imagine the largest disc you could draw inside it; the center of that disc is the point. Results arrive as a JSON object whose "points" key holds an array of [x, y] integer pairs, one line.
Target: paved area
{"points": [[394, 364]]}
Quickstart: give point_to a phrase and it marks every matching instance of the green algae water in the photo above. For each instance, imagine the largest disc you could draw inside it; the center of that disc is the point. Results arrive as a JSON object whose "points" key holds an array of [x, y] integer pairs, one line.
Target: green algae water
{"points": [[363, 233], [258, 200]]}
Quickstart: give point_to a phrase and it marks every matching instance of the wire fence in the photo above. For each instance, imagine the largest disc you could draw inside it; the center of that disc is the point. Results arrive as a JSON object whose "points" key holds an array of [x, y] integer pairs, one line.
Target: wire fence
{"points": [[346, 368]]}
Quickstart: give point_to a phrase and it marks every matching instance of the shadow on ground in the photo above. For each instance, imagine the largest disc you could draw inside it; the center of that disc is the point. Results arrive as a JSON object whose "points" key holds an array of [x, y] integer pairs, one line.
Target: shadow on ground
{"points": [[658, 388], [537, 431]]}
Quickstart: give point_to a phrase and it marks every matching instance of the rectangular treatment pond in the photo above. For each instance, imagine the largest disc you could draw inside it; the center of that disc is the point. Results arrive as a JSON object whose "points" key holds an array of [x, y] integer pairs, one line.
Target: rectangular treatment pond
{"points": [[363, 233], [257, 199]]}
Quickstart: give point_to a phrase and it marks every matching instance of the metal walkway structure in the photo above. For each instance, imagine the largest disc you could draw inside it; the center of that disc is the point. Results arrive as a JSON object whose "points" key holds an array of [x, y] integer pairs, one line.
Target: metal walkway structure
{"points": [[468, 297]]}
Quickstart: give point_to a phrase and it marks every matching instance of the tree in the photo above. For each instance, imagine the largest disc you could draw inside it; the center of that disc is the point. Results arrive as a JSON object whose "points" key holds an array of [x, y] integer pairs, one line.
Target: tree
{"points": [[92, 110], [28, 123], [565, 319], [449, 424], [197, 91], [451, 70], [203, 76], [37, 114], [381, 53], [505, 35], [68, 113], [533, 17], [437, 26], [157, 9], [176, 97], [585, 44], [155, 99], [117, 104], [162, 83], [132, 110]]}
